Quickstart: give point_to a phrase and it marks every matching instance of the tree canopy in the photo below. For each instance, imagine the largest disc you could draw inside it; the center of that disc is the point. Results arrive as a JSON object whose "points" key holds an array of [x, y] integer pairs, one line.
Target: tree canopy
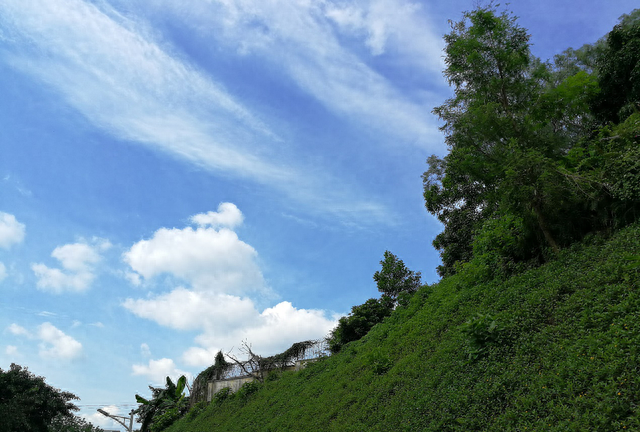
{"points": [[395, 279], [28, 404], [530, 150]]}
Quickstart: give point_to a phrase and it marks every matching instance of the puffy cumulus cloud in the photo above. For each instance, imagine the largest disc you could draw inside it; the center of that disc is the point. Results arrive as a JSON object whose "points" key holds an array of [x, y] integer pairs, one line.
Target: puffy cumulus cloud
{"points": [[11, 350], [185, 309], [208, 259], [11, 231], [55, 344], [225, 321], [221, 271], [18, 330], [269, 332], [157, 371], [228, 215], [77, 260]]}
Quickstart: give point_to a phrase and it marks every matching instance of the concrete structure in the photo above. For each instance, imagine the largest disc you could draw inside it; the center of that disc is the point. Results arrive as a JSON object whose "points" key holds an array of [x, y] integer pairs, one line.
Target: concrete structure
{"points": [[235, 383]]}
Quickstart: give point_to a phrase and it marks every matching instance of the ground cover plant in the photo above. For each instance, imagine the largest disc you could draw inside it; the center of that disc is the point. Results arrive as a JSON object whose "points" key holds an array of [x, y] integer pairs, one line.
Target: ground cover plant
{"points": [[555, 348]]}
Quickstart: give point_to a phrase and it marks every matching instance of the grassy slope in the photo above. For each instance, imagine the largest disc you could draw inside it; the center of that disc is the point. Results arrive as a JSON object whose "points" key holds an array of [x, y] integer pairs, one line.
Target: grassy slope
{"points": [[567, 359]]}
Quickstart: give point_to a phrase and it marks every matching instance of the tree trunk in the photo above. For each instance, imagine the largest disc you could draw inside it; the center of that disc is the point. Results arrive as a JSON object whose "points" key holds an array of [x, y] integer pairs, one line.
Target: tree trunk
{"points": [[545, 230]]}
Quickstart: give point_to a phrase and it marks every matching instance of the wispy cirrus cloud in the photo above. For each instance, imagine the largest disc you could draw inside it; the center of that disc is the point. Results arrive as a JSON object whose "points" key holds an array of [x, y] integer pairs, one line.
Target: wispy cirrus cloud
{"points": [[300, 38], [124, 79]]}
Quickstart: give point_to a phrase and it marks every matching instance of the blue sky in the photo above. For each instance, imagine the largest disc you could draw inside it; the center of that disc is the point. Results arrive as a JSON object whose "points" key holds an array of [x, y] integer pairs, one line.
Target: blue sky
{"points": [[177, 177]]}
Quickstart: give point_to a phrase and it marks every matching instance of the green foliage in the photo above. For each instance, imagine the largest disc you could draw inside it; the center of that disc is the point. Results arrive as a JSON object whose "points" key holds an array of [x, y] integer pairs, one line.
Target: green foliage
{"points": [[522, 143], [562, 357], [222, 395], [618, 71], [248, 389], [28, 404], [481, 331], [166, 405], [166, 419], [396, 283], [72, 423], [196, 410], [358, 323], [214, 372], [499, 247], [379, 362]]}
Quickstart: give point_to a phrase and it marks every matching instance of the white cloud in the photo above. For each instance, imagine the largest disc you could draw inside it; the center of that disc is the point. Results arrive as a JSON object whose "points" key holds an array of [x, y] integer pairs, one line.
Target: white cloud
{"points": [[269, 332], [111, 69], [102, 421], [400, 26], [228, 215], [3, 272], [133, 278], [298, 37], [124, 78], [145, 350], [185, 309], [46, 314], [219, 268], [157, 371], [77, 273], [56, 344], [18, 330], [208, 259], [11, 350], [76, 257], [11, 231]]}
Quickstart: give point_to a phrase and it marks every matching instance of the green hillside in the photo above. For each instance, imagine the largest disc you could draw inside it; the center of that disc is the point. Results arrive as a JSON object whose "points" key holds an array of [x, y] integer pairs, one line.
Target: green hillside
{"points": [[563, 355], [535, 324]]}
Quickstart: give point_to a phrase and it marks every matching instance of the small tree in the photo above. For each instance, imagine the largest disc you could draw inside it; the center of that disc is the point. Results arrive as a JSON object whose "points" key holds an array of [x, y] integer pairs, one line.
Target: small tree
{"points": [[395, 279], [170, 400]]}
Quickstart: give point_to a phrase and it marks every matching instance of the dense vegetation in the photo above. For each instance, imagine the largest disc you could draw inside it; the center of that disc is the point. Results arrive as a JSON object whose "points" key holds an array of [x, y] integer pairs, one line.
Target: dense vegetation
{"points": [[29, 404], [535, 324], [555, 348], [540, 154]]}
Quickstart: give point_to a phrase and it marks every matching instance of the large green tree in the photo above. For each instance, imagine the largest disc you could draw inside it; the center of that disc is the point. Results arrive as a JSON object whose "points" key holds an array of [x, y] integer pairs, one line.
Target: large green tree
{"points": [[509, 127], [28, 403]]}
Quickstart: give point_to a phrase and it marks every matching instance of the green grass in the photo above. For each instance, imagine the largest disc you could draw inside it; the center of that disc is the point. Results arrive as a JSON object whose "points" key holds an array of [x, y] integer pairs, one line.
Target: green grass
{"points": [[563, 355]]}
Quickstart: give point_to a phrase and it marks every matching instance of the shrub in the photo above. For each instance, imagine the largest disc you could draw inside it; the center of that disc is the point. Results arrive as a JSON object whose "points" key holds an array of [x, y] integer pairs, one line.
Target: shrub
{"points": [[248, 389], [222, 395]]}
